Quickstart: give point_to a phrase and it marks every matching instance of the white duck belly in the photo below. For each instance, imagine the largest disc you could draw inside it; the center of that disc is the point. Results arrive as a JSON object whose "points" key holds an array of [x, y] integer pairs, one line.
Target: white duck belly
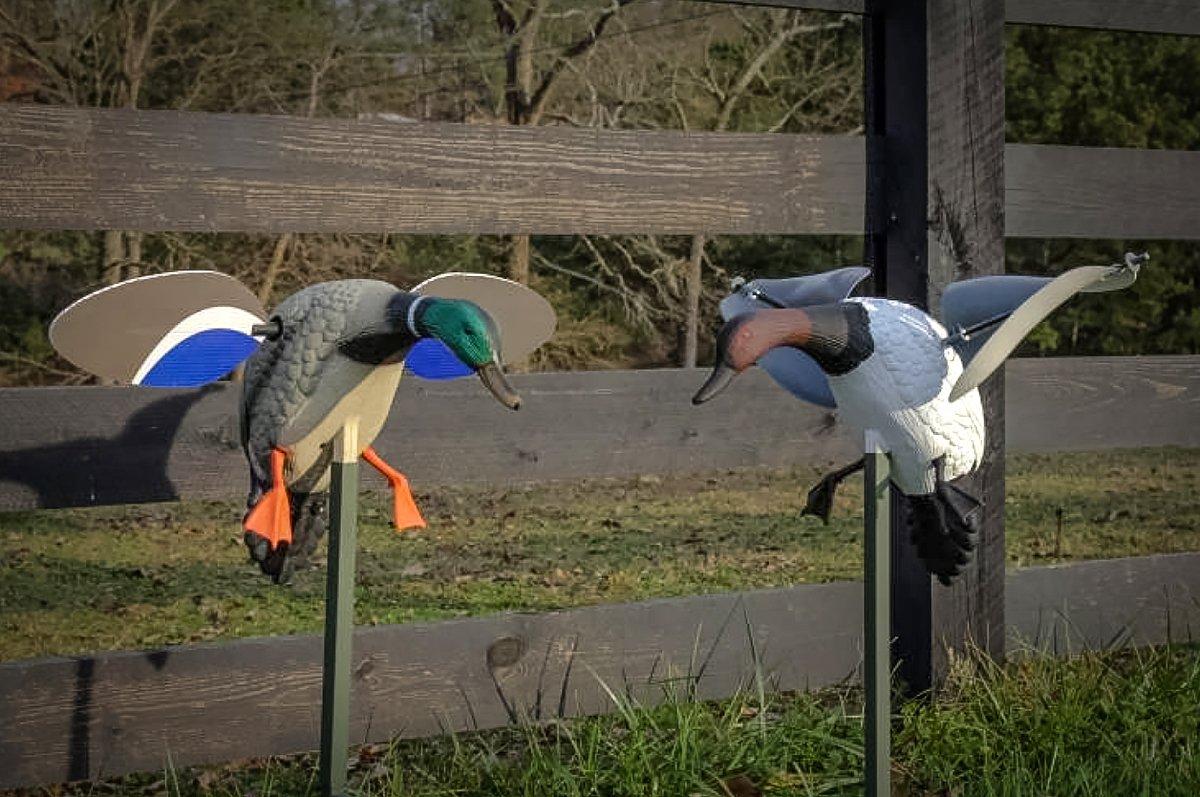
{"points": [[902, 391]]}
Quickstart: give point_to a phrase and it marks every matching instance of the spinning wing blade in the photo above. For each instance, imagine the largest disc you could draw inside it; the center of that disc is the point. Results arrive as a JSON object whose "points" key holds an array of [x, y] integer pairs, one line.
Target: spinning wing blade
{"points": [[179, 329], [524, 320], [1040, 298], [811, 289], [792, 369]]}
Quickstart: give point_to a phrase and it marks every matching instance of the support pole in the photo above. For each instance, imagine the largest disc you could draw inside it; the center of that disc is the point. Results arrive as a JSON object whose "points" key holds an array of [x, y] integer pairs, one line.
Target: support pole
{"points": [[877, 665], [339, 612]]}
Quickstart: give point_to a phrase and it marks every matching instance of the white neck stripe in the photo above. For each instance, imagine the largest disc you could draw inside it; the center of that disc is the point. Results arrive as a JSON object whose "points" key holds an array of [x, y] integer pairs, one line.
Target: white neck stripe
{"points": [[411, 320]]}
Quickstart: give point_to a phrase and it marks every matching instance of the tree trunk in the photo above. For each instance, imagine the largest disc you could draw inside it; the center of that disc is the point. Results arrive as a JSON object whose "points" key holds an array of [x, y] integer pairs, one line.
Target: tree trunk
{"points": [[272, 272], [133, 243], [518, 259], [691, 324], [114, 256]]}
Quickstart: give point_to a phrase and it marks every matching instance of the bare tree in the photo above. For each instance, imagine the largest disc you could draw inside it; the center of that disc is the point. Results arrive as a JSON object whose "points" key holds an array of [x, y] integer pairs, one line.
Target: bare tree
{"points": [[527, 94]]}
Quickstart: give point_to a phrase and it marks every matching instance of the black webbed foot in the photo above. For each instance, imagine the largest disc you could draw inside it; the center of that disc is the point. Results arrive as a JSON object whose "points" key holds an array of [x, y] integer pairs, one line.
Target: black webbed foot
{"points": [[820, 497], [944, 527]]}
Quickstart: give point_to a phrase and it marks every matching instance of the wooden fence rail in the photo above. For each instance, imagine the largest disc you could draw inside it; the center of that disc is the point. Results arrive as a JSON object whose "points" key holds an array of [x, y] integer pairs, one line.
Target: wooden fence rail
{"points": [[119, 712], [1149, 16], [68, 168], [63, 447]]}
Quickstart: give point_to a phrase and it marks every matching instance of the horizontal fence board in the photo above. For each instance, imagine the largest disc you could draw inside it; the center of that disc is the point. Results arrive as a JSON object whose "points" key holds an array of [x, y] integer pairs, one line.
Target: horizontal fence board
{"points": [[64, 168], [1144, 600], [172, 170], [82, 446], [127, 711], [1100, 192], [119, 712], [1088, 403], [1151, 16]]}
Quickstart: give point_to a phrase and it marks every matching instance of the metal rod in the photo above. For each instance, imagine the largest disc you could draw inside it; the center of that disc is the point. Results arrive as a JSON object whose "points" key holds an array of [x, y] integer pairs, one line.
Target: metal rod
{"points": [[877, 665], [339, 612]]}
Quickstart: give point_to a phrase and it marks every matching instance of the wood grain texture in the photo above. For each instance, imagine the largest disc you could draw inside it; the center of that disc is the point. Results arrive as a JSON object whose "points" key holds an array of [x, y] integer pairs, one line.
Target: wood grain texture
{"points": [[86, 446], [173, 170], [120, 712], [125, 711], [100, 169], [1152, 16], [1093, 403], [966, 211], [1099, 192], [935, 128], [1145, 600]]}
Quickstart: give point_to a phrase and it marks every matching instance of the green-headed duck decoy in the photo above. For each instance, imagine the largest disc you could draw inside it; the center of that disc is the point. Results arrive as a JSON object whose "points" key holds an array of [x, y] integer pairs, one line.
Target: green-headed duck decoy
{"points": [[329, 353]]}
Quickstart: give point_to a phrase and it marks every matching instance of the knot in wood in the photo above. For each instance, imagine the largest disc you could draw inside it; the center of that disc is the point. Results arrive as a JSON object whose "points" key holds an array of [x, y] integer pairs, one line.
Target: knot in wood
{"points": [[505, 652]]}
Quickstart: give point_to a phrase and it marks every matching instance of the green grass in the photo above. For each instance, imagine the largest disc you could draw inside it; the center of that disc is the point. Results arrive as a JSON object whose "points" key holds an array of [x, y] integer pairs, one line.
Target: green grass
{"points": [[1117, 723], [78, 581]]}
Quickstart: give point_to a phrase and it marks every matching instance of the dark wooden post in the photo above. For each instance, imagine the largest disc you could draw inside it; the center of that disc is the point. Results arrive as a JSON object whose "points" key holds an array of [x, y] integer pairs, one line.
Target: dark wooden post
{"points": [[935, 213]]}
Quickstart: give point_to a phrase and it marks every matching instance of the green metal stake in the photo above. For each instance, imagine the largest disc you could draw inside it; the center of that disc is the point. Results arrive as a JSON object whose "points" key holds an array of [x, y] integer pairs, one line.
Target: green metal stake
{"points": [[339, 612], [877, 665]]}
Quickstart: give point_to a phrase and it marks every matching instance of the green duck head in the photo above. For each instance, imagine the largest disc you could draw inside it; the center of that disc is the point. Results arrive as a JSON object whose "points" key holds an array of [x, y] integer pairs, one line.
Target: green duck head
{"points": [[469, 332]]}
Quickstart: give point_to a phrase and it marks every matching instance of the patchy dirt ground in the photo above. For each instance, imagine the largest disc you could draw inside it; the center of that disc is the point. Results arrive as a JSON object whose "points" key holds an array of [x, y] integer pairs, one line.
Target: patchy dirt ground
{"points": [[75, 581]]}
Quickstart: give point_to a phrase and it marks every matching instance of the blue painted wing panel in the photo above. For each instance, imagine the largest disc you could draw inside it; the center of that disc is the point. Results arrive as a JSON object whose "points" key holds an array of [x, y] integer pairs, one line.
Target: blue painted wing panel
{"points": [[201, 358], [429, 358]]}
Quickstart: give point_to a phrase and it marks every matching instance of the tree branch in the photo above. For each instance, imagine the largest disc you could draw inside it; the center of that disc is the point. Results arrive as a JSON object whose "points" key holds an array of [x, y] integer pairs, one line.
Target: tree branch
{"points": [[581, 47]]}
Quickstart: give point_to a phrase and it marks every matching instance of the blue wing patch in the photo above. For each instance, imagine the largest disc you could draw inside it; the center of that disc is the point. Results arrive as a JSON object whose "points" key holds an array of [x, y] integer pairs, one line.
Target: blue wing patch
{"points": [[429, 358], [201, 358]]}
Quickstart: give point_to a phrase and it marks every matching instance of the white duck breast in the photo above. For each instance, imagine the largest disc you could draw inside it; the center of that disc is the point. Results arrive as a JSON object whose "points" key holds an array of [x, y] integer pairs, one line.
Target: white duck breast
{"points": [[902, 391]]}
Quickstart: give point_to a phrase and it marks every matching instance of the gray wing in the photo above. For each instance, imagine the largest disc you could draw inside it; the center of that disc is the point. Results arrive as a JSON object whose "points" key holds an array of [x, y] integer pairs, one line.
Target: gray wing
{"points": [[1026, 301], [792, 369]]}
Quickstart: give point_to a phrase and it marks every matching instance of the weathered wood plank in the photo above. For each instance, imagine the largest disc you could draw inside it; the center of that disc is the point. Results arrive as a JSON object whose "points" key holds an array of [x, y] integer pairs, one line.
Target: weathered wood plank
{"points": [[935, 127], [95, 169], [1151, 16], [1090, 403], [1144, 600], [71, 719], [171, 170], [106, 445], [119, 712], [1098, 192]]}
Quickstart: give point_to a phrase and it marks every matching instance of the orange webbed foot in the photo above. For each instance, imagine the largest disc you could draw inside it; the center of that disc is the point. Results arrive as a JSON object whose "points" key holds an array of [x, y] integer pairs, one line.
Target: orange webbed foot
{"points": [[405, 514], [271, 517]]}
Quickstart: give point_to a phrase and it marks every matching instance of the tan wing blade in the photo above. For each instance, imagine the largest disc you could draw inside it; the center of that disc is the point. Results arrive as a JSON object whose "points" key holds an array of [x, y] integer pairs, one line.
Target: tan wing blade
{"points": [[121, 332], [1031, 312]]}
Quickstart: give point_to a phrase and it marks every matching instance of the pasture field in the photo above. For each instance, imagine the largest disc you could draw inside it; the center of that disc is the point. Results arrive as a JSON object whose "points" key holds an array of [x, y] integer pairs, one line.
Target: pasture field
{"points": [[78, 581]]}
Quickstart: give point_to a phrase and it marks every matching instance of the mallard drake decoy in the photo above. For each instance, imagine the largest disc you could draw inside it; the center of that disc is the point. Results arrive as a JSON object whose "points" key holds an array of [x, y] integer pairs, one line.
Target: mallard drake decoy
{"points": [[890, 367], [328, 353]]}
